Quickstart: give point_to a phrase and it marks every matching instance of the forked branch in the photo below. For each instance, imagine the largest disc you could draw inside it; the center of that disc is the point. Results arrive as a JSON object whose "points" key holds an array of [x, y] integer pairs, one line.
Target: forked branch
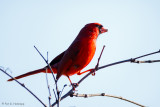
{"points": [[133, 60], [71, 92]]}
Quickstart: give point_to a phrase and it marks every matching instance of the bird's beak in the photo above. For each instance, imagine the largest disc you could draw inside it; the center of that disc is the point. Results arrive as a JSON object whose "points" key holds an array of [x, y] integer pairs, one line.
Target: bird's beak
{"points": [[103, 30]]}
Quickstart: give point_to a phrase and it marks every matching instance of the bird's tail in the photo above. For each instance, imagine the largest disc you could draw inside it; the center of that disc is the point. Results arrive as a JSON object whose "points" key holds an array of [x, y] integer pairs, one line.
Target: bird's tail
{"points": [[43, 70]]}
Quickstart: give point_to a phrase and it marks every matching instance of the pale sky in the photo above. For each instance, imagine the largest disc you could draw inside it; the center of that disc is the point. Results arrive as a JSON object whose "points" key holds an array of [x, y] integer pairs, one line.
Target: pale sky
{"points": [[52, 26]]}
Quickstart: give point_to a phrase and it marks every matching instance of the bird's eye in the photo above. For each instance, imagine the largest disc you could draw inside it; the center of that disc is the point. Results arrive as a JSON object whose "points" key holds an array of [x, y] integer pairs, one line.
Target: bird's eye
{"points": [[99, 27]]}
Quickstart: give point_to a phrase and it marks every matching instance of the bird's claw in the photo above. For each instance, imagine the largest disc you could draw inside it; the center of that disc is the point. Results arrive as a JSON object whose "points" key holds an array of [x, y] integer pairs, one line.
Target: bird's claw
{"points": [[74, 86], [93, 72]]}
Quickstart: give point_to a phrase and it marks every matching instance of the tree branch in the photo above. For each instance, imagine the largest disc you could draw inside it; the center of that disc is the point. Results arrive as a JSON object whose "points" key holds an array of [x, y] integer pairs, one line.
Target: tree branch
{"points": [[57, 90], [147, 61], [127, 60], [103, 94], [71, 92], [48, 86], [46, 63], [24, 87]]}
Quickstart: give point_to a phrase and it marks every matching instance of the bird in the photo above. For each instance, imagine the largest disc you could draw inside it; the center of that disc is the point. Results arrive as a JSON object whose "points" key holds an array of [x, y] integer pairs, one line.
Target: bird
{"points": [[78, 55]]}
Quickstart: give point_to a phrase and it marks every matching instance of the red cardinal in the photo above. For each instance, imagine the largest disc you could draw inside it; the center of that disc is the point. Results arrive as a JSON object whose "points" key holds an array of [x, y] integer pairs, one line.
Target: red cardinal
{"points": [[77, 56]]}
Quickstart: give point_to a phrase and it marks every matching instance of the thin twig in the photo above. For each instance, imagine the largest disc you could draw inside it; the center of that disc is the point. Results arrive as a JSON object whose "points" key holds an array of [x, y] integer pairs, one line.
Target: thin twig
{"points": [[103, 94], [49, 91], [95, 69], [46, 63], [57, 90], [58, 96], [24, 87], [128, 60], [48, 86], [70, 92], [100, 57], [62, 90], [55, 94], [147, 54], [148, 61]]}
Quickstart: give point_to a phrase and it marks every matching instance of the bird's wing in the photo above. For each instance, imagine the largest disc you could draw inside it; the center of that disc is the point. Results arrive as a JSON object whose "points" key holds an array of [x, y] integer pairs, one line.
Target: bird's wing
{"points": [[57, 59], [69, 58]]}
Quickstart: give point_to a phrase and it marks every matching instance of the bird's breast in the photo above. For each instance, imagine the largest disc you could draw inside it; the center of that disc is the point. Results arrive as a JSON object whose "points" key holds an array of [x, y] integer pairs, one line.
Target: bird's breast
{"points": [[85, 54]]}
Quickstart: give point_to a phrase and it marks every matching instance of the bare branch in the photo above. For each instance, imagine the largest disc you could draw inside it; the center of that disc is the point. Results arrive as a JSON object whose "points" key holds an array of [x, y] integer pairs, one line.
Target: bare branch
{"points": [[24, 87], [57, 90], [147, 61], [93, 70], [103, 94], [63, 97], [128, 60], [46, 63], [48, 86], [71, 92], [96, 67], [147, 54], [99, 57], [62, 90]]}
